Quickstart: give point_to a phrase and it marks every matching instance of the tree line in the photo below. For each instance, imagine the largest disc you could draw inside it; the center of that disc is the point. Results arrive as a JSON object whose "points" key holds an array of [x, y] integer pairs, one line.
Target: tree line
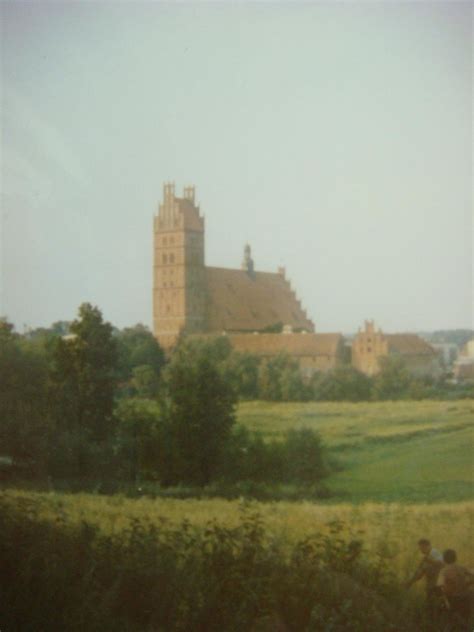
{"points": [[84, 400]]}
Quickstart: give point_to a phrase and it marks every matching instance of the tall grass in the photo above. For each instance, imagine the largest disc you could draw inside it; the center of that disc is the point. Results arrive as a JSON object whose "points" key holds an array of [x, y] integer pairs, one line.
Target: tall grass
{"points": [[61, 574], [395, 527]]}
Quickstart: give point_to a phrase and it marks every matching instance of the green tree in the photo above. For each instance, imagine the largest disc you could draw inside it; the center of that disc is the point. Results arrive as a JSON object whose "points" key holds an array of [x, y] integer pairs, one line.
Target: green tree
{"points": [[139, 439], [7, 333], [24, 418], [145, 382], [342, 384], [84, 377], [280, 379], [393, 380], [138, 347], [217, 348], [242, 370], [199, 415], [300, 458], [293, 387]]}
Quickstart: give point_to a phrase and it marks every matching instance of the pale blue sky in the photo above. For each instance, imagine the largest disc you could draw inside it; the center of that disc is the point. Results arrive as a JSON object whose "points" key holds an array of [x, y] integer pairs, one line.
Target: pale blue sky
{"points": [[335, 138]]}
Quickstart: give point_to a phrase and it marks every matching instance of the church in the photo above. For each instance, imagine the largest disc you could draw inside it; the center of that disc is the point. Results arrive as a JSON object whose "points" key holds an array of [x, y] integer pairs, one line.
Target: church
{"points": [[249, 306]]}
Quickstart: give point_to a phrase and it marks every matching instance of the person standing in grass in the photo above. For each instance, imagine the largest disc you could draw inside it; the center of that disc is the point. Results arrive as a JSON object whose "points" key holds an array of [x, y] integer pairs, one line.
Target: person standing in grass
{"points": [[429, 568], [454, 581]]}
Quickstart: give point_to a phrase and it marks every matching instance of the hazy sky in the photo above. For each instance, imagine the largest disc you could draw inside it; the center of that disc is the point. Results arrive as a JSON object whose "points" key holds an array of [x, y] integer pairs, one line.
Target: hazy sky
{"points": [[334, 137]]}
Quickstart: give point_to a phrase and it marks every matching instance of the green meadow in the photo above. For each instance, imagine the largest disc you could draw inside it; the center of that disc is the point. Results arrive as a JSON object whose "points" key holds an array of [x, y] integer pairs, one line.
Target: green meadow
{"points": [[383, 451]]}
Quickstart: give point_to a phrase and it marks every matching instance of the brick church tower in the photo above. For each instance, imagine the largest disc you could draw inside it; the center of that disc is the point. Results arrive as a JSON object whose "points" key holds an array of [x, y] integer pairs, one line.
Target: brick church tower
{"points": [[179, 282]]}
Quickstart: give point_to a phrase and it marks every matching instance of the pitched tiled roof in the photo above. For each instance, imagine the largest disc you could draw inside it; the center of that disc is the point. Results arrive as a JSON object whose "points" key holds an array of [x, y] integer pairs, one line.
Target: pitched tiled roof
{"points": [[408, 344], [294, 344], [239, 301]]}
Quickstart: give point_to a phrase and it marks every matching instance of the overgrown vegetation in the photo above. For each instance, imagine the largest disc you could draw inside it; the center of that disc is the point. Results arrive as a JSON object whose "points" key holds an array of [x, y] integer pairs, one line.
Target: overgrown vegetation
{"points": [[97, 407], [60, 575], [89, 404]]}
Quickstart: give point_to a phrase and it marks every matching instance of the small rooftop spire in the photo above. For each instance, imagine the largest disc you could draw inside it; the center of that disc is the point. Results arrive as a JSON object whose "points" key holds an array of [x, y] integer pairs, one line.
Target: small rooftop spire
{"points": [[188, 193], [168, 190], [247, 263]]}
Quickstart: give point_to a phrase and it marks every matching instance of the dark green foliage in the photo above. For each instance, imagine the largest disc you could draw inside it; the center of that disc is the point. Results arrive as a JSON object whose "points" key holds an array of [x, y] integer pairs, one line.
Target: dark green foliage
{"points": [[139, 440], [393, 381], [300, 458], [242, 370], [342, 384], [56, 576], [445, 390], [420, 387], [198, 411], [57, 398], [145, 381], [293, 387], [248, 458], [24, 417], [304, 457], [83, 382], [138, 348], [280, 380], [84, 376]]}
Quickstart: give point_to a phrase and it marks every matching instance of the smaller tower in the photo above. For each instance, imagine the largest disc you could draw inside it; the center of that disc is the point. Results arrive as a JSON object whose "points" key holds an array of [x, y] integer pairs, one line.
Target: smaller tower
{"points": [[247, 263], [367, 347]]}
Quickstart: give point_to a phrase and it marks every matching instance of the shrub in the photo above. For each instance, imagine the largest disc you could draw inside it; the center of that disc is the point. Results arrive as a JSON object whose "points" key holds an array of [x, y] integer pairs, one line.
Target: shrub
{"points": [[393, 381], [56, 576], [300, 458], [280, 379], [304, 457], [342, 384]]}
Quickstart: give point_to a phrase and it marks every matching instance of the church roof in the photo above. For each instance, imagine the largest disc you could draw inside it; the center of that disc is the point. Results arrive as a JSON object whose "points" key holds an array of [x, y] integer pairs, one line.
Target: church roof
{"points": [[408, 344], [239, 301], [294, 344]]}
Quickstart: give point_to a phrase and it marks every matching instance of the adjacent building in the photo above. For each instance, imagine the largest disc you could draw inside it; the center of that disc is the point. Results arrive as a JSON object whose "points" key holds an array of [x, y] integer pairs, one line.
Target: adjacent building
{"points": [[314, 352], [463, 368], [371, 344]]}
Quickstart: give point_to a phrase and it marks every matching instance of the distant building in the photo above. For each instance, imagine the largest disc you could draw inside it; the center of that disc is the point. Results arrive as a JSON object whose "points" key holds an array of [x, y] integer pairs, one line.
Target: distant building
{"points": [[190, 297], [463, 368], [369, 345], [448, 352], [468, 349], [314, 352]]}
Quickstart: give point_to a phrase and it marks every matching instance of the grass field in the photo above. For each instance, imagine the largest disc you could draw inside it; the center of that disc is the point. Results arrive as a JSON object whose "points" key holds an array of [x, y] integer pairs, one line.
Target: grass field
{"points": [[390, 529], [388, 451], [407, 473]]}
